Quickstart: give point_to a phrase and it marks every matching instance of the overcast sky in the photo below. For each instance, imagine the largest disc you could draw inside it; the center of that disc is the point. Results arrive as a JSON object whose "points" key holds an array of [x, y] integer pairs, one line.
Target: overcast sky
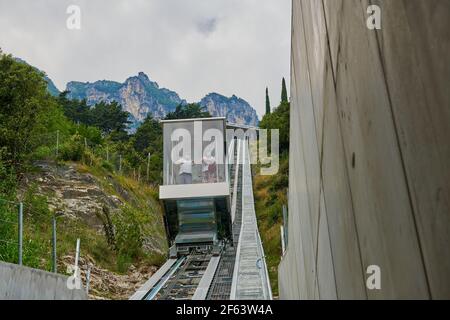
{"points": [[190, 46]]}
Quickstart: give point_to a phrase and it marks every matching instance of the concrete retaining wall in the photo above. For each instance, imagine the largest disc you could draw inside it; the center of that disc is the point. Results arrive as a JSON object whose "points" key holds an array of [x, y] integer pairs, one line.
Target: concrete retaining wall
{"points": [[22, 283], [369, 163]]}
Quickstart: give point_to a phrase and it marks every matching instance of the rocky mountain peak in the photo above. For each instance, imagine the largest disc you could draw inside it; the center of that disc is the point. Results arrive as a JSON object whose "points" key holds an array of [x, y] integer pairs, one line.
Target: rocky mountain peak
{"points": [[140, 96], [235, 109]]}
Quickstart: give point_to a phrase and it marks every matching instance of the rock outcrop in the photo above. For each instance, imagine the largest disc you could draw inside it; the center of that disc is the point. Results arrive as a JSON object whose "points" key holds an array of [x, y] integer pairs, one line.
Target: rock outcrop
{"points": [[235, 109], [138, 95], [141, 96]]}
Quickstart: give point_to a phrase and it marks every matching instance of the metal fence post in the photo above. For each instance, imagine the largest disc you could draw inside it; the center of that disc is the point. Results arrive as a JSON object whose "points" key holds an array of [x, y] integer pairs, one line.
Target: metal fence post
{"points": [[20, 232], [77, 273], [77, 254], [57, 142], [88, 278], [285, 225], [148, 167], [120, 163], [54, 245]]}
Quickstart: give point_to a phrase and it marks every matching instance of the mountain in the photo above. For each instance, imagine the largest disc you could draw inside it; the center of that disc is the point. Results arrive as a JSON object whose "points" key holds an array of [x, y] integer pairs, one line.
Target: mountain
{"points": [[236, 110], [139, 96], [52, 89]]}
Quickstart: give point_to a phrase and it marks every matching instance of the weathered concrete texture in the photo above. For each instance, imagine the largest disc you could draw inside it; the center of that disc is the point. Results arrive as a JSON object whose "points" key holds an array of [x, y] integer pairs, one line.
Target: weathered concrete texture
{"points": [[23, 283], [369, 162]]}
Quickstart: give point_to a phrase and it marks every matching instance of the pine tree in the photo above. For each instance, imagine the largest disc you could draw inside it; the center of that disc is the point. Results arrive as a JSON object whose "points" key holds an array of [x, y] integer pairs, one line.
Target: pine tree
{"points": [[267, 101], [284, 97]]}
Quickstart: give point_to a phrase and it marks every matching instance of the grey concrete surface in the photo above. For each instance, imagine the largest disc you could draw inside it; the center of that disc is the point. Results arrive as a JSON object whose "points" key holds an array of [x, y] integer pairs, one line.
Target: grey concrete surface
{"points": [[23, 283], [369, 164]]}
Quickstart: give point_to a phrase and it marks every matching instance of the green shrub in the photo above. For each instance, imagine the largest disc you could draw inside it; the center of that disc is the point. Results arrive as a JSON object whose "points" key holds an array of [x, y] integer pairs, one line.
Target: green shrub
{"points": [[8, 181], [35, 205], [92, 134], [274, 214], [89, 157], [72, 150], [280, 181], [124, 261], [107, 166], [128, 226], [42, 152], [8, 214]]}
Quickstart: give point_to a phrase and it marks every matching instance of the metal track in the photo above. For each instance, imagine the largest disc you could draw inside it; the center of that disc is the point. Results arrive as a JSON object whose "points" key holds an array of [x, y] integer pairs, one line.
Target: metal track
{"points": [[221, 285], [181, 281], [184, 281], [162, 281]]}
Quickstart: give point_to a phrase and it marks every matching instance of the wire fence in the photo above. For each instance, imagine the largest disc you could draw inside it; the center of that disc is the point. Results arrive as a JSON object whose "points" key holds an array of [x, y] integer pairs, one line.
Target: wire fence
{"points": [[9, 220], [22, 240], [58, 146]]}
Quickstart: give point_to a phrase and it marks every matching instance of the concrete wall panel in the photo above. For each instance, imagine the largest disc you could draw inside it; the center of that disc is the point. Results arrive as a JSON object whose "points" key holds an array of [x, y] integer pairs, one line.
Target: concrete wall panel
{"points": [[23, 283], [421, 112], [369, 171]]}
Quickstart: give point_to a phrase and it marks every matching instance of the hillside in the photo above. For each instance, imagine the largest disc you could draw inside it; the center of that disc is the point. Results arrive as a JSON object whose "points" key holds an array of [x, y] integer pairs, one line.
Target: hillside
{"points": [[95, 179], [271, 191], [104, 210]]}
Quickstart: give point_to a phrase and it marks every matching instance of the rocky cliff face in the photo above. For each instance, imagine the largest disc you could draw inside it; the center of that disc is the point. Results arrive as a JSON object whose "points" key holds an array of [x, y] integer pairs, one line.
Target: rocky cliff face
{"points": [[140, 96], [236, 110]]}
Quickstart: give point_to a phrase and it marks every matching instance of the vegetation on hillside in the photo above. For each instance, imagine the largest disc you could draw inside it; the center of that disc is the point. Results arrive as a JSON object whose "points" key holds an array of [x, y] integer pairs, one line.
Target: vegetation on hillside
{"points": [[35, 126], [271, 191]]}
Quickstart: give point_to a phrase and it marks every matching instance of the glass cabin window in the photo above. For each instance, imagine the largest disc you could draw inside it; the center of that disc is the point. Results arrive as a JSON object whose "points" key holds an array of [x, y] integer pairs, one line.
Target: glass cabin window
{"points": [[194, 152]]}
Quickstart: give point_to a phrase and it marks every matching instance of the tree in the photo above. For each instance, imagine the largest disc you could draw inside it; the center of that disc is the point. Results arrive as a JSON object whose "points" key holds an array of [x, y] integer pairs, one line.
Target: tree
{"points": [[23, 99], [279, 119], [109, 117], [148, 137], [267, 101], [189, 111], [284, 96], [76, 110]]}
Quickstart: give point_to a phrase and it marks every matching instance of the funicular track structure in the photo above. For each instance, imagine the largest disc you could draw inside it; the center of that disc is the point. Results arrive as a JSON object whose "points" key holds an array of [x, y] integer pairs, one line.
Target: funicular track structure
{"points": [[202, 275]]}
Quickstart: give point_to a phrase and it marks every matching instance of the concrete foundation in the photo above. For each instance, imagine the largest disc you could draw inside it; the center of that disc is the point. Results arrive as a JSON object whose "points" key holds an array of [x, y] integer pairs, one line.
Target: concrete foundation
{"points": [[369, 163], [23, 283]]}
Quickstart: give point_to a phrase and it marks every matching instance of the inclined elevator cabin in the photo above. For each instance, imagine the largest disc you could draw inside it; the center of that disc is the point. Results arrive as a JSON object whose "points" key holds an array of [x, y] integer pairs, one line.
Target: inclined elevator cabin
{"points": [[196, 191]]}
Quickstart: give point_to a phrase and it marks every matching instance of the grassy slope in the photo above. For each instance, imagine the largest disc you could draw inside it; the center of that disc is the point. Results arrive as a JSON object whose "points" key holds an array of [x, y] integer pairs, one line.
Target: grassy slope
{"points": [[141, 198], [270, 196], [141, 202]]}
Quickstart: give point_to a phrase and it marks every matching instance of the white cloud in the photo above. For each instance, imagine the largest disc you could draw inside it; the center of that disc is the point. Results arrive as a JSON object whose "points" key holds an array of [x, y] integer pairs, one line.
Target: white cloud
{"points": [[191, 46]]}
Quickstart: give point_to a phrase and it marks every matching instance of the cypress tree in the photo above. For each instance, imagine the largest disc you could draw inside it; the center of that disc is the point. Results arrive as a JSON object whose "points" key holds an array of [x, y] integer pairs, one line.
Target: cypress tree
{"points": [[267, 101], [284, 97]]}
